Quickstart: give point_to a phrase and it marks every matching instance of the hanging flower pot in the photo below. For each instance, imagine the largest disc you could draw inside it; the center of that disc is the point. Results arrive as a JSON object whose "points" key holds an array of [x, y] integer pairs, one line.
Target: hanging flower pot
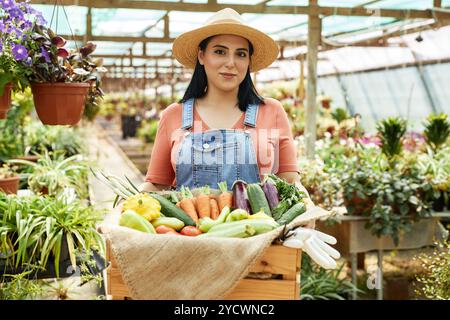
{"points": [[5, 101], [60, 103], [9, 185]]}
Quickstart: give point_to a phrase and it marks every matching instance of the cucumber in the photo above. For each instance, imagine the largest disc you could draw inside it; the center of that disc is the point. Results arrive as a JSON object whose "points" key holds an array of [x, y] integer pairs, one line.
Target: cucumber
{"points": [[260, 225], [173, 223], [168, 209], [236, 231], [257, 199], [236, 215], [207, 223], [296, 210]]}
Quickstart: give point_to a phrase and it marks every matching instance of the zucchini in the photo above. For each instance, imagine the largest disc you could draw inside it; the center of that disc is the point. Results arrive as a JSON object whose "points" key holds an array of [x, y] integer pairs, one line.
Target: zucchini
{"points": [[168, 209], [257, 199], [296, 210], [133, 220], [207, 223], [260, 225], [236, 231]]}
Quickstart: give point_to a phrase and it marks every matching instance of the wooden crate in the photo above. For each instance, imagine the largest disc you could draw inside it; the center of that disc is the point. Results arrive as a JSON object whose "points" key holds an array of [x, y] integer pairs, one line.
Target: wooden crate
{"points": [[277, 260]]}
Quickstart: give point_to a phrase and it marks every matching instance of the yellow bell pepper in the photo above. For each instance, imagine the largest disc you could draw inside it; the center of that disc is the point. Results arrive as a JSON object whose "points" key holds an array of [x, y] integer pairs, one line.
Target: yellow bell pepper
{"points": [[144, 205]]}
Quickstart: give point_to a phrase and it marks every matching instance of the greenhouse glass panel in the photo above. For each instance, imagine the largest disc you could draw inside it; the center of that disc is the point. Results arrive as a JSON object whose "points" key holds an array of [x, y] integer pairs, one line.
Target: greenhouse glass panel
{"points": [[75, 20], [402, 4], [330, 86], [438, 79]]}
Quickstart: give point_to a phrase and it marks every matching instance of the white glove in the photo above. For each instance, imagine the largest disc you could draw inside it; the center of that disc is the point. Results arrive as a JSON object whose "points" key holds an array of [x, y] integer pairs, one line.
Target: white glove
{"points": [[314, 243]]}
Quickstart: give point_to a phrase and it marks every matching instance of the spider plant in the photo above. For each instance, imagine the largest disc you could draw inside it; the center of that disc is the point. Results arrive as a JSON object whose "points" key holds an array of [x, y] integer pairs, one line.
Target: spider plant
{"points": [[34, 229], [53, 173]]}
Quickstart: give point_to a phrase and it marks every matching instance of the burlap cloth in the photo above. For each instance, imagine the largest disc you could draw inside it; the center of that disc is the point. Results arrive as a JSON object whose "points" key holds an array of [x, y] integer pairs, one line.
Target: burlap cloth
{"points": [[170, 267]]}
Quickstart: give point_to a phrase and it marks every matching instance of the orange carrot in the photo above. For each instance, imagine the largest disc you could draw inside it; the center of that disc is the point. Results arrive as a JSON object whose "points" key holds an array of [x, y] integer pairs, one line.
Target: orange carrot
{"points": [[225, 199], [178, 204], [187, 204], [214, 209], [203, 204]]}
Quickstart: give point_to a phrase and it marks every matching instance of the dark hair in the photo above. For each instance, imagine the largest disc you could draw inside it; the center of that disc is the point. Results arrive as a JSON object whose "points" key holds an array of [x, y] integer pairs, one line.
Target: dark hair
{"points": [[247, 93]]}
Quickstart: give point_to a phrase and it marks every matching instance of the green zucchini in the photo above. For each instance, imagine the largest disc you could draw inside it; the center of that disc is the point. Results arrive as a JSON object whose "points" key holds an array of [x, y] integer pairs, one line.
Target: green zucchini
{"points": [[296, 210], [257, 199], [168, 209], [236, 231], [260, 225]]}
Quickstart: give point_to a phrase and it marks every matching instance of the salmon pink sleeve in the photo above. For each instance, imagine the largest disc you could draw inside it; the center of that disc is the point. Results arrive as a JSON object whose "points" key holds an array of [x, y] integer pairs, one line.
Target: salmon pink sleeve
{"points": [[287, 158], [160, 169]]}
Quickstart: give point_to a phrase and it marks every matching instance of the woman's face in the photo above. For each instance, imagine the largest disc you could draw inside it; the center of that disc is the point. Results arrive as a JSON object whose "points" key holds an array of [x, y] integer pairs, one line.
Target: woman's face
{"points": [[226, 59]]}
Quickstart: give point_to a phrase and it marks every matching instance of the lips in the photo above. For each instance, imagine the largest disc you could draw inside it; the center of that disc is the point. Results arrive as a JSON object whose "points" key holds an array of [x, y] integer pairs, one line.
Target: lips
{"points": [[228, 75]]}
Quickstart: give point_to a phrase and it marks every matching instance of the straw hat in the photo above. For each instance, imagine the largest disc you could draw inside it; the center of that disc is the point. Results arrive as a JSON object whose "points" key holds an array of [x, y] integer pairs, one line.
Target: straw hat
{"points": [[226, 21]]}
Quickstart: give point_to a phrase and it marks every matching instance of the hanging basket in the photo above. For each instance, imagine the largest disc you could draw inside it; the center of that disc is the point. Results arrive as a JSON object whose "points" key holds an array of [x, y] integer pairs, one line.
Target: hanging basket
{"points": [[5, 101], [10, 185], [60, 103]]}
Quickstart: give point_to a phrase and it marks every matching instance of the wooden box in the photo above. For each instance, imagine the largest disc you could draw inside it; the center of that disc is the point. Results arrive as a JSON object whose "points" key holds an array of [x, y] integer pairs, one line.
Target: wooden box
{"points": [[280, 267]]}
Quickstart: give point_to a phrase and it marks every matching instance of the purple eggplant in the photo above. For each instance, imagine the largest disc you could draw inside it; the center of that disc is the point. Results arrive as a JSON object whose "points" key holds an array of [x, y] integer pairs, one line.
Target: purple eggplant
{"points": [[240, 198], [271, 193]]}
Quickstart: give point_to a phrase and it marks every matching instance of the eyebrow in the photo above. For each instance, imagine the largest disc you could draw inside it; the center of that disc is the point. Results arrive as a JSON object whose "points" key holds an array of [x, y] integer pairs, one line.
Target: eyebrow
{"points": [[221, 46]]}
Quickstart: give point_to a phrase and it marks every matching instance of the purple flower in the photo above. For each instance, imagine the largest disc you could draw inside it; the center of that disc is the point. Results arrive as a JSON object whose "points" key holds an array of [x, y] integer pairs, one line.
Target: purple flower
{"points": [[2, 26], [45, 55], [7, 4], [26, 25], [1, 47], [19, 52], [16, 13]]}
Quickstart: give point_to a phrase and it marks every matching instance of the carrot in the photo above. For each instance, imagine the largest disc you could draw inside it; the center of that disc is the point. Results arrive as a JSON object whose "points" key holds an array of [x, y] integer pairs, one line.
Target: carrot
{"points": [[214, 209], [225, 199], [178, 204], [187, 204], [203, 204]]}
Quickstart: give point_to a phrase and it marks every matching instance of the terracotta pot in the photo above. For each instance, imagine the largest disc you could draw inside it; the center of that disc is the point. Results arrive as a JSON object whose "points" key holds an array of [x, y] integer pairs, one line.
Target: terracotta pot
{"points": [[10, 185], [5, 101], [60, 103]]}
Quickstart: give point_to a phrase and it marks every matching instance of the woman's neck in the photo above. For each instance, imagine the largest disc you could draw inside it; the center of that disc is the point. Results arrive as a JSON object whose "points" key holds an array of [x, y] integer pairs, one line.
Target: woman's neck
{"points": [[220, 99]]}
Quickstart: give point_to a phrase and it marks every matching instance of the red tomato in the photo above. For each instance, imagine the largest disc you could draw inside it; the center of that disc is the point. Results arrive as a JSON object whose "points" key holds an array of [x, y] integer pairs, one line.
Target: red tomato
{"points": [[165, 230], [190, 231]]}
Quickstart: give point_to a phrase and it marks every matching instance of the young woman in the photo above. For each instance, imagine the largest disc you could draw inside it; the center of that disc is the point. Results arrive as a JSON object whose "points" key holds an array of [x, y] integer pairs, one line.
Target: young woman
{"points": [[222, 129]]}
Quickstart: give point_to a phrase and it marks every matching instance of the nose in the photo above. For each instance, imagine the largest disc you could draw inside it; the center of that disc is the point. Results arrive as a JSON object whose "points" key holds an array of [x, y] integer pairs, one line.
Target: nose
{"points": [[230, 62]]}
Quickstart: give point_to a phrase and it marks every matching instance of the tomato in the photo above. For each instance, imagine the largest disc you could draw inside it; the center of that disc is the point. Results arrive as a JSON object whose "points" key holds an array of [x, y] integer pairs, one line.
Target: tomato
{"points": [[190, 231], [165, 230]]}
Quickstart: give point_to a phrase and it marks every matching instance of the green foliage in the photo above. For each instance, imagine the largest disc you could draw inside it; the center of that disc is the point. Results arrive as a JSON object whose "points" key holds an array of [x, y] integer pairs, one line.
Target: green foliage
{"points": [[34, 229], [340, 114], [437, 130], [147, 131], [435, 280], [318, 283], [391, 131], [18, 287], [55, 173]]}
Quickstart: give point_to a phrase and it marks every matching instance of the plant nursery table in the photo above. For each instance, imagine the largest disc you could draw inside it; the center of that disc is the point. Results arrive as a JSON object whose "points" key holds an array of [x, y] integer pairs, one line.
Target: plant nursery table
{"points": [[354, 238]]}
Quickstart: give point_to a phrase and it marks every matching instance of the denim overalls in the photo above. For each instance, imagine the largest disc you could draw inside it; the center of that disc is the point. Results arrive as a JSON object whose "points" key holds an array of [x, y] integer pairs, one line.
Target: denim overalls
{"points": [[213, 156]]}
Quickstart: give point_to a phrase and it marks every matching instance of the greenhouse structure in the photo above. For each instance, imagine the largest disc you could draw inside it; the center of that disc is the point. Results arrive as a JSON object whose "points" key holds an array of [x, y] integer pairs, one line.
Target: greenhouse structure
{"points": [[270, 149]]}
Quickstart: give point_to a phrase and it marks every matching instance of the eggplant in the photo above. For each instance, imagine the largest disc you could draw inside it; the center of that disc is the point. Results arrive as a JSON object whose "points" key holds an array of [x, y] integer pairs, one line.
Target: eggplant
{"points": [[240, 197], [271, 193]]}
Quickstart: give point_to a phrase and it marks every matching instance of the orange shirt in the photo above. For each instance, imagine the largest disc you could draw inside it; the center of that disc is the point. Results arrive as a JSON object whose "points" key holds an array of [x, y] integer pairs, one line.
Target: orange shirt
{"points": [[275, 149]]}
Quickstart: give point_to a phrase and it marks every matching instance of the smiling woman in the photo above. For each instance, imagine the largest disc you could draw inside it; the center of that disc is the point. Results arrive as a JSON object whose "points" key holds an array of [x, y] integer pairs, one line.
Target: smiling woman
{"points": [[222, 129]]}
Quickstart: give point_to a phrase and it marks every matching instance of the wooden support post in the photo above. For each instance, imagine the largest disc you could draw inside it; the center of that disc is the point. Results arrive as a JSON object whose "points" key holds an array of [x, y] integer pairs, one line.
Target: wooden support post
{"points": [[314, 32], [88, 25]]}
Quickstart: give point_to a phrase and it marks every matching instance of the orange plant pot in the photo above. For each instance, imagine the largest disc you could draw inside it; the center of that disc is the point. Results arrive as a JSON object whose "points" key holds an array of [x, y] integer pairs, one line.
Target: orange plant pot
{"points": [[5, 101], [60, 103], [10, 185]]}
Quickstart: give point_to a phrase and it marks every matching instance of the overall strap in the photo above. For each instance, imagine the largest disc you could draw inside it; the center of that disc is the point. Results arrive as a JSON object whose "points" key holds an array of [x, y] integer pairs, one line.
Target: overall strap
{"points": [[251, 115], [188, 114]]}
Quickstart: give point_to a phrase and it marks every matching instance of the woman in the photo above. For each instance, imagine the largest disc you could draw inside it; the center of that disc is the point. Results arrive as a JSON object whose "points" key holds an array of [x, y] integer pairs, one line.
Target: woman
{"points": [[222, 130]]}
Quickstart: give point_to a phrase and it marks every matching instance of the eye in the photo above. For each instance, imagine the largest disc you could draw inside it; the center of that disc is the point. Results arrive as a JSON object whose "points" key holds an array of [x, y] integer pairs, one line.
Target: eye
{"points": [[219, 51], [242, 54]]}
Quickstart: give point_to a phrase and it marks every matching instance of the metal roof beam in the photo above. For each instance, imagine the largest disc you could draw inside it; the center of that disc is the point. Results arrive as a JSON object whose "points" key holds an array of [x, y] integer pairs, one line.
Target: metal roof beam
{"points": [[259, 8]]}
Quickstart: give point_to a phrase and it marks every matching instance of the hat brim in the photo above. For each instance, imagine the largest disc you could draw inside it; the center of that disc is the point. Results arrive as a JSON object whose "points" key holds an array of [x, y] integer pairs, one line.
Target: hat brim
{"points": [[185, 47]]}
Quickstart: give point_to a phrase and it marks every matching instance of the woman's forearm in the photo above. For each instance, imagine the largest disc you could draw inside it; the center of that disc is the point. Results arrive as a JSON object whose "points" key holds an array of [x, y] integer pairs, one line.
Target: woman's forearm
{"points": [[148, 186]]}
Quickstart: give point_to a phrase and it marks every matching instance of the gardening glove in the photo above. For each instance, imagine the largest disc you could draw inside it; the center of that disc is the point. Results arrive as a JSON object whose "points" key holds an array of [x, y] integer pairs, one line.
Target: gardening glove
{"points": [[314, 243]]}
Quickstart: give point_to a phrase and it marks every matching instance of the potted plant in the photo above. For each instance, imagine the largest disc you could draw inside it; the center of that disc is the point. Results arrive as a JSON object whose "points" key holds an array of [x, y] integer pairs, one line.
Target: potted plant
{"points": [[9, 180], [437, 130], [51, 174], [16, 21]]}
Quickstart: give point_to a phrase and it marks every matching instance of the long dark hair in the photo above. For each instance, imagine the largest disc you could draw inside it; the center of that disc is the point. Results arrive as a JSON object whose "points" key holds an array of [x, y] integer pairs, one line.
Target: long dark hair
{"points": [[247, 93]]}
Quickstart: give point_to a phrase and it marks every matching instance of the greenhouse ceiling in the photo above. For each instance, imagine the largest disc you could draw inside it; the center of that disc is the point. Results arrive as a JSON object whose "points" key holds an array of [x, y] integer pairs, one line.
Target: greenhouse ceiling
{"points": [[144, 30]]}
